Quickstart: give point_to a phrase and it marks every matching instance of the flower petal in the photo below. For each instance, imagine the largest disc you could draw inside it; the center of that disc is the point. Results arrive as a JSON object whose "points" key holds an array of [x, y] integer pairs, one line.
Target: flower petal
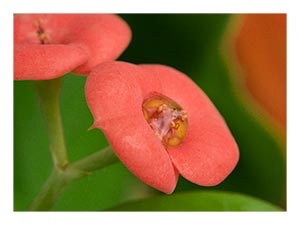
{"points": [[56, 27], [112, 92], [105, 36], [209, 152], [259, 44], [141, 151], [101, 37], [115, 99], [43, 62]]}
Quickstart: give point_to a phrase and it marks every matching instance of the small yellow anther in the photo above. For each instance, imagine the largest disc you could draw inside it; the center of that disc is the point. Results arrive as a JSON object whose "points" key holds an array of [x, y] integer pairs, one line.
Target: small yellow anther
{"points": [[167, 119]]}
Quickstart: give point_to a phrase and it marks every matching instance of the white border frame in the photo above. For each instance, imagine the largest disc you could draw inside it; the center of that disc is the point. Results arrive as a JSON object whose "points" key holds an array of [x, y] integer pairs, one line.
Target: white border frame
{"points": [[8, 7]]}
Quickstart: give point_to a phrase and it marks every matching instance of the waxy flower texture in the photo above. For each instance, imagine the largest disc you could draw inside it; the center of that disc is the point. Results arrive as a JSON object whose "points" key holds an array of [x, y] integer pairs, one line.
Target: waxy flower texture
{"points": [[160, 124]]}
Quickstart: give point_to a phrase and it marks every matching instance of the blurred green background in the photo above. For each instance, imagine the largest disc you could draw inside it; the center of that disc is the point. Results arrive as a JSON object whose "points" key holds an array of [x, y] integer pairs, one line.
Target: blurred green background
{"points": [[190, 43]]}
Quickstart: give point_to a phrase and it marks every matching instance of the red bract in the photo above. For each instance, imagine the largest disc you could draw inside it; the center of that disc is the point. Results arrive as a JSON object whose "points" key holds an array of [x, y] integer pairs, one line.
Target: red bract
{"points": [[47, 46], [116, 93]]}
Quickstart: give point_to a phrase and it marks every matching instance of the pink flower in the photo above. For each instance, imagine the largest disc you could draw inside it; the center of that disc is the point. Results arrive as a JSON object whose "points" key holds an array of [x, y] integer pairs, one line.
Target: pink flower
{"points": [[47, 46], [160, 124]]}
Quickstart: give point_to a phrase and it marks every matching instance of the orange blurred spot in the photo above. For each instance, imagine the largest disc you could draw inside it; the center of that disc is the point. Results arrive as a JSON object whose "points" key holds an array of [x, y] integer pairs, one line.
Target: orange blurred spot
{"points": [[260, 46]]}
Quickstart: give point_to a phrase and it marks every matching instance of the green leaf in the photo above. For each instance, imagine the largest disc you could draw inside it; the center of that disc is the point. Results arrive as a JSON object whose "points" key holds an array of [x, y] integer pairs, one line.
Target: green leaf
{"points": [[198, 201]]}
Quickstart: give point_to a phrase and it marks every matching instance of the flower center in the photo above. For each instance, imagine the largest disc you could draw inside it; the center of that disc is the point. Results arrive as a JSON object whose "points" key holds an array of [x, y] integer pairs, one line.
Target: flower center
{"points": [[42, 35], [167, 119]]}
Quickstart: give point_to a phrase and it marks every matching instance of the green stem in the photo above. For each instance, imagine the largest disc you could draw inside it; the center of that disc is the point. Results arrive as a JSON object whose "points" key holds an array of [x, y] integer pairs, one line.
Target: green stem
{"points": [[50, 192], [63, 173], [97, 160], [48, 96], [60, 179]]}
